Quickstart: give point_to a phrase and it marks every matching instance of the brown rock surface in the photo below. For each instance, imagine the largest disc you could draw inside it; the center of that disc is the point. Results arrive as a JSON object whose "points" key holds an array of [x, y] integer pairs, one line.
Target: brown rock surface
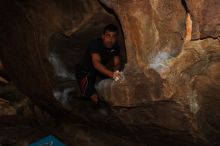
{"points": [[205, 17], [5, 108], [171, 84], [171, 71]]}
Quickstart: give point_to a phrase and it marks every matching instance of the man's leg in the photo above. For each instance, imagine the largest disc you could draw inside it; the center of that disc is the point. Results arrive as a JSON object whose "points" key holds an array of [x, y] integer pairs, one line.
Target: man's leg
{"points": [[87, 86]]}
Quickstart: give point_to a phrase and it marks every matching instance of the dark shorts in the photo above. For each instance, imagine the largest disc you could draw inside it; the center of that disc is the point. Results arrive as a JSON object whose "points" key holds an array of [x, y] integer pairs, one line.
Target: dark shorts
{"points": [[86, 83]]}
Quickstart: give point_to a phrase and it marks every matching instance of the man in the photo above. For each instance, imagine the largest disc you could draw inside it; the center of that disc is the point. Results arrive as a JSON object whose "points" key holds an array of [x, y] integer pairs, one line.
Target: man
{"points": [[100, 52]]}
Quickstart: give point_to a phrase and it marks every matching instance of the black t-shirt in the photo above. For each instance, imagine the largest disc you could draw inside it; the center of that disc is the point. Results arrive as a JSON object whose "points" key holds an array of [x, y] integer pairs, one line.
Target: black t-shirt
{"points": [[106, 54]]}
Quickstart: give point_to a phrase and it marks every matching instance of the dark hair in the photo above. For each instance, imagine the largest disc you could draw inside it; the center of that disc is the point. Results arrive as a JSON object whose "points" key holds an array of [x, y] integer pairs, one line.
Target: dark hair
{"points": [[111, 28]]}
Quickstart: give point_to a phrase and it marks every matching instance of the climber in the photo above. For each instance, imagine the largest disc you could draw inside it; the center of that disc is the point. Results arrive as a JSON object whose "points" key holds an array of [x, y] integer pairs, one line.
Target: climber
{"points": [[100, 52]]}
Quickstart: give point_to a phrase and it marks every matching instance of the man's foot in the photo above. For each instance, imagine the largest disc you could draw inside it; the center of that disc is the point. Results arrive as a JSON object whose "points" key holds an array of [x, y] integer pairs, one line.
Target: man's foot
{"points": [[94, 98]]}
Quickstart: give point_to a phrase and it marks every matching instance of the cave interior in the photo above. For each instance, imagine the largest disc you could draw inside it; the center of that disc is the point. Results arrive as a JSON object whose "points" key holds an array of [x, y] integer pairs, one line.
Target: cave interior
{"points": [[170, 59]]}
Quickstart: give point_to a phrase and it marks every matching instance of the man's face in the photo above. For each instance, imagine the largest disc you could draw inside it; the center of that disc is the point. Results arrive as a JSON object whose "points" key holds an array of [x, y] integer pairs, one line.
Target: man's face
{"points": [[109, 39]]}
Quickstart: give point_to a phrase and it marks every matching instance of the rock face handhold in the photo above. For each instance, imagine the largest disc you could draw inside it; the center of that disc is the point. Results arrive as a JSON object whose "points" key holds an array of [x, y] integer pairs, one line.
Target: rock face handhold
{"points": [[137, 89]]}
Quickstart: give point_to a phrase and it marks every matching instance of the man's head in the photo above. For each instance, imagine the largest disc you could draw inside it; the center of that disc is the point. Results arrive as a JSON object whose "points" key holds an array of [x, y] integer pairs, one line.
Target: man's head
{"points": [[110, 35]]}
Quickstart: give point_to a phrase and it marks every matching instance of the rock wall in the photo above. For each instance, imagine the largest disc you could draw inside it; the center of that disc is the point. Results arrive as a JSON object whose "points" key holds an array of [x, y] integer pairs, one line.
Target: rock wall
{"points": [[172, 71], [205, 17], [173, 57]]}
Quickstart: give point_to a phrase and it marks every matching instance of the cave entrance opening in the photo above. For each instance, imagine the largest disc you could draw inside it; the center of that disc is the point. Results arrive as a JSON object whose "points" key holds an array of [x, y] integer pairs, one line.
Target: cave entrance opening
{"points": [[66, 51]]}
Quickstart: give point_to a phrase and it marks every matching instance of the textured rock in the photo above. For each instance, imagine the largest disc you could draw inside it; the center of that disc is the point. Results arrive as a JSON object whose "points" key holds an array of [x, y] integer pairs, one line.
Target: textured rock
{"points": [[169, 69], [159, 36], [25, 41], [171, 78], [3, 81], [161, 27], [5, 108], [205, 17]]}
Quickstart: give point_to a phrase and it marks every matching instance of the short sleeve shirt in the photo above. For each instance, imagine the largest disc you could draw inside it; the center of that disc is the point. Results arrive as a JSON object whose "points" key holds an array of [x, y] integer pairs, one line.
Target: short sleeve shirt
{"points": [[106, 54]]}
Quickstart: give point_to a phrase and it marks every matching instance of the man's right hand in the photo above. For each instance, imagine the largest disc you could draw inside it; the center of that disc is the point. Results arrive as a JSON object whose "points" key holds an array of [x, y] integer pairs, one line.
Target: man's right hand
{"points": [[117, 76]]}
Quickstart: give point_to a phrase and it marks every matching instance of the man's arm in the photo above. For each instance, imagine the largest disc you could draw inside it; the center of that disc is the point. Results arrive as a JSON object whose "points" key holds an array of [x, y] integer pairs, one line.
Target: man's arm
{"points": [[96, 60], [117, 63]]}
